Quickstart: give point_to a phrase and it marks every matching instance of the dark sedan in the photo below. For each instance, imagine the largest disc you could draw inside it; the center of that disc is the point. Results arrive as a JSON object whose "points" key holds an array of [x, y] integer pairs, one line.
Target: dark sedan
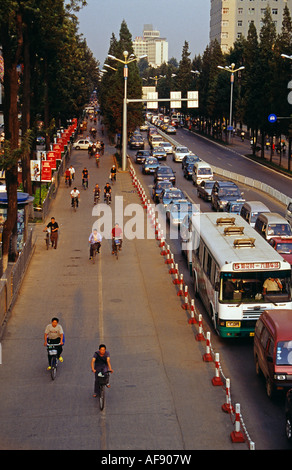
{"points": [[159, 187], [164, 173], [159, 153], [169, 195], [136, 142], [204, 190], [150, 165], [141, 155]]}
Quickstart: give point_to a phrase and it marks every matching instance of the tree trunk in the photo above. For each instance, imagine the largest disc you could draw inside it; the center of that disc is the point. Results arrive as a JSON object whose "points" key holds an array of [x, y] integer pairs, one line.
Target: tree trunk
{"points": [[25, 123]]}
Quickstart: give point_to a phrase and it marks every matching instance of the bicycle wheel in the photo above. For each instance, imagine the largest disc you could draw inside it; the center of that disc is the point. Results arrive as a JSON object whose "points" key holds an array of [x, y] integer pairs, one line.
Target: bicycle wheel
{"points": [[101, 397], [53, 368], [47, 242]]}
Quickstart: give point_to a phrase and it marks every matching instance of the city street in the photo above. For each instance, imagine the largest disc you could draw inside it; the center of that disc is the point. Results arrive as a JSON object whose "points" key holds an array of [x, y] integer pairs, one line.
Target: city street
{"points": [[161, 395]]}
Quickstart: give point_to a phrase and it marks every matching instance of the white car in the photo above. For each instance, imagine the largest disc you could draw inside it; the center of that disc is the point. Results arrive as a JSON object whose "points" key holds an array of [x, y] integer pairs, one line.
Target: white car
{"points": [[179, 153], [167, 147], [82, 144]]}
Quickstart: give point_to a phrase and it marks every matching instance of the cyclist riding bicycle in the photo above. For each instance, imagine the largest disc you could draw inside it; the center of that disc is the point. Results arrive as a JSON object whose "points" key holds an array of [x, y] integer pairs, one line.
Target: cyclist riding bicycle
{"points": [[96, 193], [95, 242], [54, 334], [75, 195], [85, 176], [117, 233], [100, 363], [107, 190], [113, 173]]}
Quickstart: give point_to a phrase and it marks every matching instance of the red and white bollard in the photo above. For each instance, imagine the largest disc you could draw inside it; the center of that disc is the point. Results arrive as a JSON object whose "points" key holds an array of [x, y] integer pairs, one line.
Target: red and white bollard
{"points": [[173, 267], [208, 356], [237, 435], [185, 305], [169, 258], [200, 335], [192, 320], [176, 279], [181, 285], [227, 406], [217, 379]]}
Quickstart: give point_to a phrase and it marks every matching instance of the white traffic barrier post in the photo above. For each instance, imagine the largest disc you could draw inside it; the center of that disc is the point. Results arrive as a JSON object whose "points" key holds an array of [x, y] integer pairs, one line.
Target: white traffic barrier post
{"points": [[200, 335], [237, 435], [181, 284], [185, 305], [173, 269], [192, 319], [227, 406], [217, 379], [175, 281], [207, 357]]}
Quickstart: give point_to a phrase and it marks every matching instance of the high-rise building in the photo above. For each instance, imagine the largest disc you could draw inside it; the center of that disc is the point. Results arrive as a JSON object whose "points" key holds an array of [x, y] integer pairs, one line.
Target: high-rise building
{"points": [[231, 18], [151, 44]]}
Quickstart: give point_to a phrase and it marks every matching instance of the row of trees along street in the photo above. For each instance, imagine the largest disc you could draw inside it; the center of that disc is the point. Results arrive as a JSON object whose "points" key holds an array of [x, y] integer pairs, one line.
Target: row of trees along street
{"points": [[49, 73], [259, 90]]}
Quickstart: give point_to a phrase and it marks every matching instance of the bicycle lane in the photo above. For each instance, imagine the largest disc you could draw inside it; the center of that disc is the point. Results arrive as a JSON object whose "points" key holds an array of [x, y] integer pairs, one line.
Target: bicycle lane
{"points": [[161, 395]]}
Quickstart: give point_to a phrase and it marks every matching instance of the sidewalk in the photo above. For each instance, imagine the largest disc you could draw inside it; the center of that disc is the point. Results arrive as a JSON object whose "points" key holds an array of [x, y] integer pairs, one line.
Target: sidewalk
{"points": [[161, 395]]}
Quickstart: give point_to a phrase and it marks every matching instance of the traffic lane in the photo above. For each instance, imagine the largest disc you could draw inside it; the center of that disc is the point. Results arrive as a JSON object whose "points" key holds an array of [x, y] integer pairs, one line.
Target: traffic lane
{"points": [[260, 414], [226, 158]]}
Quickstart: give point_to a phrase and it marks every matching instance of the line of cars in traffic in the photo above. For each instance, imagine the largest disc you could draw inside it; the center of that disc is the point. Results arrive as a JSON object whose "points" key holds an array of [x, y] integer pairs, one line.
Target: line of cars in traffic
{"points": [[273, 334]]}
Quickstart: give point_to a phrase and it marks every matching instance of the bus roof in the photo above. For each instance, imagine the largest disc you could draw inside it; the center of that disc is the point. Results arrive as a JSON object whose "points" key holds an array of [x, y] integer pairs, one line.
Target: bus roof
{"points": [[231, 239]]}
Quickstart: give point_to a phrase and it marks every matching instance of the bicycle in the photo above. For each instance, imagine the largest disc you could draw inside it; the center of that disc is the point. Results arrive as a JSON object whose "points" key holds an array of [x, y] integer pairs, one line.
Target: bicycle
{"points": [[113, 177], [102, 383], [85, 183], [95, 248], [53, 352], [74, 203], [117, 247], [47, 238], [96, 199], [107, 198]]}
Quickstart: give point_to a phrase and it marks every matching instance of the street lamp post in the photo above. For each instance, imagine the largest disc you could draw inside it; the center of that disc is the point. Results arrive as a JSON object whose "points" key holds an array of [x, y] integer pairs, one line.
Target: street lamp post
{"points": [[126, 61], [231, 69]]}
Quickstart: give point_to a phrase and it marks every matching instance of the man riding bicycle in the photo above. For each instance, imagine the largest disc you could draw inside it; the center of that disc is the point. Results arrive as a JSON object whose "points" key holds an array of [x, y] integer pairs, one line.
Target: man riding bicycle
{"points": [[117, 233], [96, 193], [54, 334], [85, 177], [95, 242], [113, 173], [100, 363], [107, 190], [75, 195]]}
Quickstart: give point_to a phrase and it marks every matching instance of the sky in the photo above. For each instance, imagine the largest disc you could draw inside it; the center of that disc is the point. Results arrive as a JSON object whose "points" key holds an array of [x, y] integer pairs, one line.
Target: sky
{"points": [[177, 20]]}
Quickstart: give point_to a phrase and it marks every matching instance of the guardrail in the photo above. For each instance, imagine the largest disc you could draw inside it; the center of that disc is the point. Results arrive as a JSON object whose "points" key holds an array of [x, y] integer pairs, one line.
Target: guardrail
{"points": [[246, 180], [11, 280]]}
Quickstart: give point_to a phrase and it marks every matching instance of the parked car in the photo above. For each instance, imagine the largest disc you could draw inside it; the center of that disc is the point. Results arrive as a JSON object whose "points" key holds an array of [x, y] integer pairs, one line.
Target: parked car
{"points": [[150, 164], [164, 173], [167, 146], [141, 155], [136, 142], [273, 349], [177, 210], [188, 170], [204, 190], [179, 153], [82, 144], [222, 192], [234, 207], [288, 415], [159, 153], [169, 195], [283, 245], [158, 187]]}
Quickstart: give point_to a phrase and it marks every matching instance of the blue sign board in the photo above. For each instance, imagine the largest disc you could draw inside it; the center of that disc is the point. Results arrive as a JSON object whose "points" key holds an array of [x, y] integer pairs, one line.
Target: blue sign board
{"points": [[272, 118]]}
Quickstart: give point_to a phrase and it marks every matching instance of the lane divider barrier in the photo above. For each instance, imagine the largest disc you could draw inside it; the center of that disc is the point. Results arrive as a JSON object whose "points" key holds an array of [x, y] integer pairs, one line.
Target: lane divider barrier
{"points": [[240, 433]]}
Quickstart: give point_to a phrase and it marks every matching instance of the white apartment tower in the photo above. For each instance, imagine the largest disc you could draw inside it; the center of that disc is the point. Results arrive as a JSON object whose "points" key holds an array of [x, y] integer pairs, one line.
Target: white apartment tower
{"points": [[153, 45], [231, 18]]}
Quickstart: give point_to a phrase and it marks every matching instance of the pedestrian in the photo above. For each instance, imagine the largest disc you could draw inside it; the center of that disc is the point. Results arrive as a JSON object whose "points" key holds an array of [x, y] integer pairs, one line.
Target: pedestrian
{"points": [[100, 363], [72, 171], [54, 228]]}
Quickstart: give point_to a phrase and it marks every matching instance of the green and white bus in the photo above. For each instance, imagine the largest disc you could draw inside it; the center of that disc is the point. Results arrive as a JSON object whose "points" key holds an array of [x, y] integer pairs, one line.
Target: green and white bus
{"points": [[236, 273]]}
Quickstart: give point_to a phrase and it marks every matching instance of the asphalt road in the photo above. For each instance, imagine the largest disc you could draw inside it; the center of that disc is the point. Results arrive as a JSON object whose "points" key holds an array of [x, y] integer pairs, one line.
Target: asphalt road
{"points": [[161, 396]]}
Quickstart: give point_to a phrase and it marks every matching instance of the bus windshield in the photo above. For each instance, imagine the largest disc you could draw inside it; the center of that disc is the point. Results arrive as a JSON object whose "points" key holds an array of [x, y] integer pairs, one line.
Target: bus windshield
{"points": [[256, 286]]}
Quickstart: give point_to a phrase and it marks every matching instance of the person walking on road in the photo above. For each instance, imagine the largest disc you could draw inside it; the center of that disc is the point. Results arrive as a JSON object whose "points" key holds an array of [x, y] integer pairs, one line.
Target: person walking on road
{"points": [[54, 228], [54, 334], [100, 362]]}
